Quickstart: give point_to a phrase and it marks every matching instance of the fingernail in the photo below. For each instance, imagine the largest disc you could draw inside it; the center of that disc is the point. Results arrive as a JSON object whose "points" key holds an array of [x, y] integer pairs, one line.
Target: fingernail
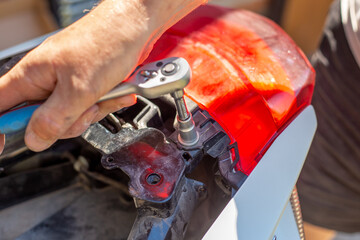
{"points": [[35, 143], [133, 99], [128, 100]]}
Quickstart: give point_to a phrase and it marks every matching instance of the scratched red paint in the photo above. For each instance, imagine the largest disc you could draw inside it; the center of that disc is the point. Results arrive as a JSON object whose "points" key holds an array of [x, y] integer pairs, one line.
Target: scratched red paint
{"points": [[247, 73], [151, 161]]}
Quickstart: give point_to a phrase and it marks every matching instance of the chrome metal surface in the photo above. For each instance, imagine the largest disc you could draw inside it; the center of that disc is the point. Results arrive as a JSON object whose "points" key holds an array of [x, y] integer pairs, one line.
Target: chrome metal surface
{"points": [[180, 104], [146, 83], [170, 67], [188, 136]]}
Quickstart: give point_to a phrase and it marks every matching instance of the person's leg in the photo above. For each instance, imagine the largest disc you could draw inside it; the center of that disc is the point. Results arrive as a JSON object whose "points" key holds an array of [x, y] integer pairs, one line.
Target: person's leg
{"points": [[346, 236], [329, 185], [313, 232]]}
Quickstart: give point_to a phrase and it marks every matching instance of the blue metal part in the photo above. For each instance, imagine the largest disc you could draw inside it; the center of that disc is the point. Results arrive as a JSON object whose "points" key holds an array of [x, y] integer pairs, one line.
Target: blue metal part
{"points": [[17, 119]]}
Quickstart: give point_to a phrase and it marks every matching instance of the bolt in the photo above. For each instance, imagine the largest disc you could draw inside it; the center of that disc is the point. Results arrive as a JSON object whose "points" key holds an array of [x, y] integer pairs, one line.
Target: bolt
{"points": [[153, 179]]}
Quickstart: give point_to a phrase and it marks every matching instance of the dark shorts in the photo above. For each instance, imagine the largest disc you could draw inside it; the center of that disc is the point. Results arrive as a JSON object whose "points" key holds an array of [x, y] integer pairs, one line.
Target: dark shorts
{"points": [[329, 185]]}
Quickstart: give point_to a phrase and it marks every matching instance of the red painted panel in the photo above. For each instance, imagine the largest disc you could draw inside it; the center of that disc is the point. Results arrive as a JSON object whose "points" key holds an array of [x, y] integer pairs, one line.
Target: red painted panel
{"points": [[247, 73]]}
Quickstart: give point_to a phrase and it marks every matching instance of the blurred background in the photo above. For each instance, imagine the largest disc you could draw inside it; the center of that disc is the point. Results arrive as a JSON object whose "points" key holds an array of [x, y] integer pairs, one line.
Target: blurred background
{"points": [[22, 20]]}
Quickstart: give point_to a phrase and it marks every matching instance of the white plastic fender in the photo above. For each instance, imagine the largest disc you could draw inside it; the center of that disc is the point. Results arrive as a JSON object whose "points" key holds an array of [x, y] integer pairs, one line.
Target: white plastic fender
{"points": [[256, 209]]}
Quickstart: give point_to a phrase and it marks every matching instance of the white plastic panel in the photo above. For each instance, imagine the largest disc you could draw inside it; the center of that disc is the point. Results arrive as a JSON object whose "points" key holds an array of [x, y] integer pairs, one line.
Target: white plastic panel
{"points": [[287, 228], [256, 209]]}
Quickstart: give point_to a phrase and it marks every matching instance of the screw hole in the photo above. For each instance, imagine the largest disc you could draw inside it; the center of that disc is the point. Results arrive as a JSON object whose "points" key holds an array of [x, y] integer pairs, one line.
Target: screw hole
{"points": [[187, 157], [110, 159], [159, 64], [162, 79], [153, 179]]}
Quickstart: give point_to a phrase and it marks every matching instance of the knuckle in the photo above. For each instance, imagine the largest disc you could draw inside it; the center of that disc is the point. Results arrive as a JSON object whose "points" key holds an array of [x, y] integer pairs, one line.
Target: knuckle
{"points": [[85, 90]]}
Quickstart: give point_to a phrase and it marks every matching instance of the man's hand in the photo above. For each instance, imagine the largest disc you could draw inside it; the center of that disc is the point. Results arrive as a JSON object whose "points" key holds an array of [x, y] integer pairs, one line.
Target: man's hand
{"points": [[77, 66]]}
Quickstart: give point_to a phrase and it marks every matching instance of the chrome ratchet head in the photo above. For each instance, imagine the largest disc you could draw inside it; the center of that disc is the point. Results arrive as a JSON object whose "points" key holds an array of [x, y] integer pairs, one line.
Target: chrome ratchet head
{"points": [[154, 79]]}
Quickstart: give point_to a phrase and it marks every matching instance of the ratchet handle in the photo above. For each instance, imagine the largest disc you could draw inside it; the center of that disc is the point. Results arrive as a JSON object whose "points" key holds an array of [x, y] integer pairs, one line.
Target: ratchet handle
{"points": [[17, 119], [121, 90]]}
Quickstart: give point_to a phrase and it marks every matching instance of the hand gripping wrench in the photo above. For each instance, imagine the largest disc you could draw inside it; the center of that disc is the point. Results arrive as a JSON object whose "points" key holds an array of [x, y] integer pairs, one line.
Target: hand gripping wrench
{"points": [[170, 75]]}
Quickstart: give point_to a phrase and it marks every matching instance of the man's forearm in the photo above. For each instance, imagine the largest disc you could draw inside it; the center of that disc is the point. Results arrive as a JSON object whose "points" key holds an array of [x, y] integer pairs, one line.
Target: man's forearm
{"points": [[118, 28], [140, 22]]}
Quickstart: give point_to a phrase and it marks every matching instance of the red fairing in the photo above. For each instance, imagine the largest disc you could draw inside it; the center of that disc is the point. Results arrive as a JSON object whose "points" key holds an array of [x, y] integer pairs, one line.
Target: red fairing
{"points": [[247, 73]]}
